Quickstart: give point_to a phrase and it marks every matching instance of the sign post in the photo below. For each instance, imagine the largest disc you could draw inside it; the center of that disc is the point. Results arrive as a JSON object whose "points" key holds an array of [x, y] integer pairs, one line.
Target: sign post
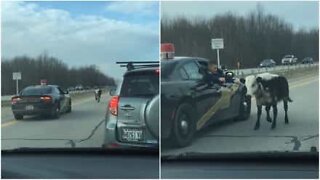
{"points": [[217, 44], [16, 76]]}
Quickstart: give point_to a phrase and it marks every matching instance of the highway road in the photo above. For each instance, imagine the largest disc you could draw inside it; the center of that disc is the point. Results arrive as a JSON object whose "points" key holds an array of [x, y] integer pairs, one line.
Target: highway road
{"points": [[70, 130], [299, 135], [74, 129]]}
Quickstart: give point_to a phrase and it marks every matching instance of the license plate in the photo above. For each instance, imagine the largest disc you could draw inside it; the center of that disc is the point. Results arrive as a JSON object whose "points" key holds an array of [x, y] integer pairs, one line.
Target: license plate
{"points": [[130, 134], [29, 107]]}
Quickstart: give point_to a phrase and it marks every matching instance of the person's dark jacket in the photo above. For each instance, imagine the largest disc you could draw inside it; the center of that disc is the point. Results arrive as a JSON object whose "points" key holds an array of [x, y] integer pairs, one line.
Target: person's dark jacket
{"points": [[213, 78]]}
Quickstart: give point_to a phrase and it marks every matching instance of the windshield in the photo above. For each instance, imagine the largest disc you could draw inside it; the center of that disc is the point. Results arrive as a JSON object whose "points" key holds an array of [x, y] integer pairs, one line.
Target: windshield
{"points": [[36, 91], [288, 56], [230, 116], [140, 85], [75, 46], [266, 61], [166, 68]]}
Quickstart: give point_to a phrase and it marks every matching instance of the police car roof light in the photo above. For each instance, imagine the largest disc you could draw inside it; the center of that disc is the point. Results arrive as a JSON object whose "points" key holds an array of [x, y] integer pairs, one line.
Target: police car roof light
{"points": [[43, 82], [167, 47], [167, 51]]}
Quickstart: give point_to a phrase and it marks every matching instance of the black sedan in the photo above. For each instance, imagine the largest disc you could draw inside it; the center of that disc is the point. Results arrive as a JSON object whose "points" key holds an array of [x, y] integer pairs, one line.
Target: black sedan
{"points": [[48, 100], [190, 103], [267, 63]]}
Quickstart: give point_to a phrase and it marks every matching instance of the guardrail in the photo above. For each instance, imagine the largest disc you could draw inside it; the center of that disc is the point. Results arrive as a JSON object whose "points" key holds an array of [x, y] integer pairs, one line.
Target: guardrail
{"points": [[6, 100], [8, 97], [238, 72], [276, 69]]}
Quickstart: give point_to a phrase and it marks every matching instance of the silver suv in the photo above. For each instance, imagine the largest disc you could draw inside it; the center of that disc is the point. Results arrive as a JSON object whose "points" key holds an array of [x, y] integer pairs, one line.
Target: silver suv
{"points": [[132, 118]]}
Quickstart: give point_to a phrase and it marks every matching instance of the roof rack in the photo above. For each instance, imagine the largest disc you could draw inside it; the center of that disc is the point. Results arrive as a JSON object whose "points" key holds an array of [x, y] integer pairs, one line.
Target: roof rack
{"points": [[131, 65]]}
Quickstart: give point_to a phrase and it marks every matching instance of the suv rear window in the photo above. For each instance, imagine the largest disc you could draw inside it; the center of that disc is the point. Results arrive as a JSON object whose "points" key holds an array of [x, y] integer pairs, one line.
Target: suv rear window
{"points": [[29, 91], [140, 85]]}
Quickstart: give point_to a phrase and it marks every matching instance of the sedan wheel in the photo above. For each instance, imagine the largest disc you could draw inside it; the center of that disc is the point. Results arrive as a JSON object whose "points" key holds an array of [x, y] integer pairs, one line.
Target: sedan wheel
{"points": [[18, 116], [56, 112]]}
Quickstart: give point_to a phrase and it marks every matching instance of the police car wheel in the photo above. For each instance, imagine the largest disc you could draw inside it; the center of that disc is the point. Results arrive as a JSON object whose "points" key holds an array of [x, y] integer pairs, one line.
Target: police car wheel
{"points": [[183, 126]]}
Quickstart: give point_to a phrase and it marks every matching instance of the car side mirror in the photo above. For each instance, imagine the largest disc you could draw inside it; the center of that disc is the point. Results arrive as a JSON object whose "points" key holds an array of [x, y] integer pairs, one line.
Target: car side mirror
{"points": [[229, 74], [112, 91]]}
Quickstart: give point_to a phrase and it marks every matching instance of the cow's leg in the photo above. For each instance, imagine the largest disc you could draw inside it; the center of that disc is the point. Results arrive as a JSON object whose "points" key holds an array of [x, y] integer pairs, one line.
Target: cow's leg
{"points": [[275, 113], [285, 105], [268, 113], [259, 107]]}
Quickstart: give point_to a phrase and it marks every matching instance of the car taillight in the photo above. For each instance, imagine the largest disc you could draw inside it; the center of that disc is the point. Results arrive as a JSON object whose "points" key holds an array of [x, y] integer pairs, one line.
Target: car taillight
{"points": [[14, 100], [113, 105], [157, 71], [46, 98]]}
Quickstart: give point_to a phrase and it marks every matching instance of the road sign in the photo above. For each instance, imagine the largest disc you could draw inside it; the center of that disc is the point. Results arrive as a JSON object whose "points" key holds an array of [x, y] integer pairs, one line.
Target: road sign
{"points": [[16, 76], [217, 43]]}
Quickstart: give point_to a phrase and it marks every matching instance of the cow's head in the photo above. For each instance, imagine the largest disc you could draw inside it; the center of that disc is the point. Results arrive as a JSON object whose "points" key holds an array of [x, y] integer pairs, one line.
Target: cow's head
{"points": [[253, 84]]}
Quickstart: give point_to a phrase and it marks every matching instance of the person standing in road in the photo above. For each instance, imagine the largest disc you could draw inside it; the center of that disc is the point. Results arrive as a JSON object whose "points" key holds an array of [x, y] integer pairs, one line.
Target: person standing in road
{"points": [[97, 93]]}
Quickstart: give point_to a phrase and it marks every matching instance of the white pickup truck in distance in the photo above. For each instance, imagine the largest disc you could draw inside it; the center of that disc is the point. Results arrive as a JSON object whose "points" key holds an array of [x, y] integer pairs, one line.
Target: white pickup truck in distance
{"points": [[289, 59]]}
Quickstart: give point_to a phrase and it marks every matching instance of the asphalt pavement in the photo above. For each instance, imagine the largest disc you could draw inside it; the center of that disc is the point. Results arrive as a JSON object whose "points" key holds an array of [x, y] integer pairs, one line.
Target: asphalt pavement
{"points": [[83, 127], [300, 134]]}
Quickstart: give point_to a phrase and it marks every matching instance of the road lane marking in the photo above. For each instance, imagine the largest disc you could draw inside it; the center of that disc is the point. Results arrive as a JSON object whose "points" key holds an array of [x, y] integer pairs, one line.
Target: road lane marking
{"points": [[303, 80], [295, 85], [11, 122]]}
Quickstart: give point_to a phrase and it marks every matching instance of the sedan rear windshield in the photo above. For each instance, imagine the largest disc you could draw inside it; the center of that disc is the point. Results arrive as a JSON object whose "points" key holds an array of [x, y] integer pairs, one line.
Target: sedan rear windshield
{"points": [[140, 85], [31, 91]]}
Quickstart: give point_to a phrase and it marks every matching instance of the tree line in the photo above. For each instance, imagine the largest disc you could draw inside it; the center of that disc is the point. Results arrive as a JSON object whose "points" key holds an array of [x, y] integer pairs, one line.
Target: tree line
{"points": [[247, 39], [52, 69]]}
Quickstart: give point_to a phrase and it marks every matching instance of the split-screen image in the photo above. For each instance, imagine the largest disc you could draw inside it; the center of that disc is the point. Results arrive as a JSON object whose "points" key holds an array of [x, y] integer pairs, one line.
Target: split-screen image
{"points": [[159, 89]]}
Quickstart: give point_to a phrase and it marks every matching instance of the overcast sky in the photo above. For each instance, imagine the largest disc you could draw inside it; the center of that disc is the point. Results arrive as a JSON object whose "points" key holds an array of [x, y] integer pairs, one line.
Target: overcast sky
{"points": [[100, 33], [82, 33], [302, 14]]}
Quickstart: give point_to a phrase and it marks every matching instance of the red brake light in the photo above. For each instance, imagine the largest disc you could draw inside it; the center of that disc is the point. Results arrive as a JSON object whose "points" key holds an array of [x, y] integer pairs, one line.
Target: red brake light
{"points": [[46, 98], [157, 71], [113, 105], [14, 100]]}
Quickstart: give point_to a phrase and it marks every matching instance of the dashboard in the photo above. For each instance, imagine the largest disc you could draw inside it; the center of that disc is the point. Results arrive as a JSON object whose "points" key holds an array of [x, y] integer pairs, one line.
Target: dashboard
{"points": [[263, 167], [82, 165]]}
